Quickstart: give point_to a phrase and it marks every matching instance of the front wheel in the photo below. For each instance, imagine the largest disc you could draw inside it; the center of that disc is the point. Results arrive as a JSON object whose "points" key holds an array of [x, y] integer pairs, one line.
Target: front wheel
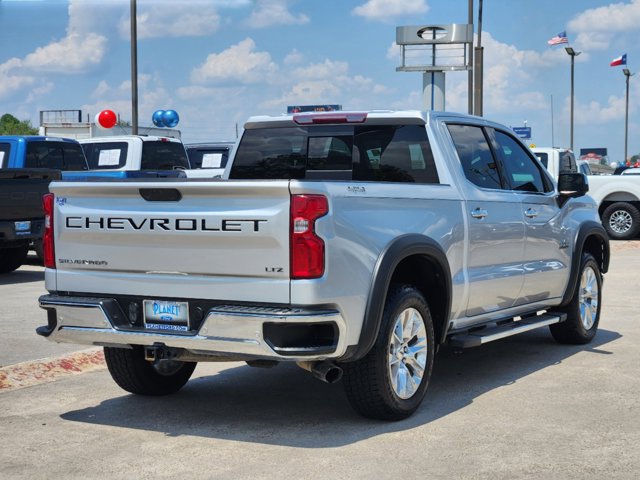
{"points": [[390, 382], [134, 374], [583, 311], [621, 220]]}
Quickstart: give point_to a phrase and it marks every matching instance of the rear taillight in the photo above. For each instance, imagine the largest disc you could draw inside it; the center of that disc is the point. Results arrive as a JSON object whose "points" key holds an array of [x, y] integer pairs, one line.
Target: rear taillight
{"points": [[48, 249], [307, 248]]}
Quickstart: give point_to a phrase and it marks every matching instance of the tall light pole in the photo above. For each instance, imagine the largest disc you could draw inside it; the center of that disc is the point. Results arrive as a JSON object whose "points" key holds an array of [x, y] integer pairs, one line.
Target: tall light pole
{"points": [[478, 66], [627, 74], [134, 69], [573, 54], [470, 74]]}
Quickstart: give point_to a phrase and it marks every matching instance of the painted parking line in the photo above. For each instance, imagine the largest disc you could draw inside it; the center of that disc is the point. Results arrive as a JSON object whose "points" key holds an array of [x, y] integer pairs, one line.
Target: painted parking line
{"points": [[34, 372]]}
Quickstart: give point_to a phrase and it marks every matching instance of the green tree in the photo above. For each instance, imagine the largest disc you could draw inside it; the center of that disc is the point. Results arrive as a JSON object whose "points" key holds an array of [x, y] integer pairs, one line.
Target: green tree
{"points": [[10, 125]]}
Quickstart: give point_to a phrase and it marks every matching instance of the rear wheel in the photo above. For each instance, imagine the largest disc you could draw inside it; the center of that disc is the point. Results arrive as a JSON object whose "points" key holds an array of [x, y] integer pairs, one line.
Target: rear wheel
{"points": [[621, 220], [134, 374], [583, 312], [12, 258], [390, 382]]}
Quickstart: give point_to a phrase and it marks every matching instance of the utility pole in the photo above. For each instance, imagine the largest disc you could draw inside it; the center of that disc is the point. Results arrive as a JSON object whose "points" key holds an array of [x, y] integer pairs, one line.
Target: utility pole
{"points": [[470, 73], [478, 64], [134, 69]]}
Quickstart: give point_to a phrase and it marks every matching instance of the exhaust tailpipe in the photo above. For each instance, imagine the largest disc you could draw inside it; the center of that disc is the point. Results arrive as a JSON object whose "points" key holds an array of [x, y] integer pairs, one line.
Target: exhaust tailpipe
{"points": [[324, 370]]}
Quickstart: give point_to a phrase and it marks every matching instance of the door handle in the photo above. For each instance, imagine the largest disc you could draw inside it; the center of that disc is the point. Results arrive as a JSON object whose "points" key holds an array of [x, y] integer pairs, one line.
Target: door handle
{"points": [[530, 213], [479, 213]]}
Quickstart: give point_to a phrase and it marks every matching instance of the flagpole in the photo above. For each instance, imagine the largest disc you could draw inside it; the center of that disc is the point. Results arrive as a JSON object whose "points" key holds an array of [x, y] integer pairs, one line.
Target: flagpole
{"points": [[573, 54], [553, 142]]}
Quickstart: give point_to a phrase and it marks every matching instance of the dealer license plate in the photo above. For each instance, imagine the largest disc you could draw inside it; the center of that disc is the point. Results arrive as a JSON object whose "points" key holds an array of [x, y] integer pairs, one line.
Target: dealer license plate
{"points": [[23, 228], [166, 315]]}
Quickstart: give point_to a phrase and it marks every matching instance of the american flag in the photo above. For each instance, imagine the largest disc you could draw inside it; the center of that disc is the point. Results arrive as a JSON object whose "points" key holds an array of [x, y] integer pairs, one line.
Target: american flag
{"points": [[558, 39]]}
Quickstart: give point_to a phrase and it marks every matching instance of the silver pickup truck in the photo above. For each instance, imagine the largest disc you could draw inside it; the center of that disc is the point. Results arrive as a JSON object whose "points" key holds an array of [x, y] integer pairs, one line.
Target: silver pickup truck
{"points": [[352, 243]]}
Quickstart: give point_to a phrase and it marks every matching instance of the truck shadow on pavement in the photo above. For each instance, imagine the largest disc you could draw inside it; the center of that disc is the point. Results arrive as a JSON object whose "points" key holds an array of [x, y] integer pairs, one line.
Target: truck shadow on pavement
{"points": [[286, 406], [21, 276]]}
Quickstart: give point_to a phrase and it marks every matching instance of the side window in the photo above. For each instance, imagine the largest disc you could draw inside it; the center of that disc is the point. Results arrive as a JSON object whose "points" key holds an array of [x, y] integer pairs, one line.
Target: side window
{"points": [[398, 153], [522, 172], [475, 156], [5, 149], [544, 158], [163, 156]]}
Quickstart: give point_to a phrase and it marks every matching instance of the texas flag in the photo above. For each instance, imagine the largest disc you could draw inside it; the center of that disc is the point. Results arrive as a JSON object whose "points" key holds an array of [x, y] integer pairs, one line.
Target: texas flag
{"points": [[621, 60]]}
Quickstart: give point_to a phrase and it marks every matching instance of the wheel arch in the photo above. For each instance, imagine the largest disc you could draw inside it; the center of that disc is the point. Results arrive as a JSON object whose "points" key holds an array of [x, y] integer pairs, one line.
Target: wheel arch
{"points": [[591, 238], [413, 259]]}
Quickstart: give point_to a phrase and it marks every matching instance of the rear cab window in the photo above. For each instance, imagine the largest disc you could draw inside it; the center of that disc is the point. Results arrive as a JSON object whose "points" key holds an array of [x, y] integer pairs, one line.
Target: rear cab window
{"points": [[106, 155], [5, 150], [163, 155], [384, 153], [58, 155]]}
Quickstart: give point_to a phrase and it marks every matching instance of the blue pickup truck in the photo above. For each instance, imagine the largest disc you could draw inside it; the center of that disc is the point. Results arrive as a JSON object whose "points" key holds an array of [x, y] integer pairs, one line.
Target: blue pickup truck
{"points": [[27, 165]]}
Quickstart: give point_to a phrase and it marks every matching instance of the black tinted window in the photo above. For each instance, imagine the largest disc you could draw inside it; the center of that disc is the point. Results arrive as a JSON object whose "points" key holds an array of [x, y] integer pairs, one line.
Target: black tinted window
{"points": [[159, 155], [58, 155], [208, 157], [375, 153], [543, 157], [106, 155], [475, 156], [5, 149], [399, 153], [522, 172]]}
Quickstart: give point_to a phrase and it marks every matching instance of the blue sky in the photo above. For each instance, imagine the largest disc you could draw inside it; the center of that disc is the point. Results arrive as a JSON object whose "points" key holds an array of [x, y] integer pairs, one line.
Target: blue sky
{"points": [[219, 61]]}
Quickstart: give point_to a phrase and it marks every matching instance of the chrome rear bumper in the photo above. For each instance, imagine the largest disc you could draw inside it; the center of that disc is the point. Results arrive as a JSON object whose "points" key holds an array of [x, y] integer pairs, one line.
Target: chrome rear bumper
{"points": [[226, 331]]}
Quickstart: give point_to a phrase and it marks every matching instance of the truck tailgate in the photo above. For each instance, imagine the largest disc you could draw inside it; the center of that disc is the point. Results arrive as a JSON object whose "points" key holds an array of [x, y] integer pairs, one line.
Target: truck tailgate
{"points": [[176, 239]]}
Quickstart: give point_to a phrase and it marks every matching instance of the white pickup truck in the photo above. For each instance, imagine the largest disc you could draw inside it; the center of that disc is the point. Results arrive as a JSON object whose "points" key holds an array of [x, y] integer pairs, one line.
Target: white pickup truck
{"points": [[350, 243], [128, 153], [617, 196]]}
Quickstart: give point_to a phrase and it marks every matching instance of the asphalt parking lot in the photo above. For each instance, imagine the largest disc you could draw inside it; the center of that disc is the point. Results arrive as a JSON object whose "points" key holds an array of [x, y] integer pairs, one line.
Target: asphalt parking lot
{"points": [[523, 407]]}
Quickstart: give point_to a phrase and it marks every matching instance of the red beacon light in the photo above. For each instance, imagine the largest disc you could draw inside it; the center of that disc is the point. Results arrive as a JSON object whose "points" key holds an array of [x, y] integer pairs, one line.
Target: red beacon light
{"points": [[333, 117]]}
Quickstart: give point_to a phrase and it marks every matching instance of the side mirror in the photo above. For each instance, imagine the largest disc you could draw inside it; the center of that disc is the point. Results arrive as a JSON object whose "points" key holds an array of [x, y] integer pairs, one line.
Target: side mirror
{"points": [[572, 185]]}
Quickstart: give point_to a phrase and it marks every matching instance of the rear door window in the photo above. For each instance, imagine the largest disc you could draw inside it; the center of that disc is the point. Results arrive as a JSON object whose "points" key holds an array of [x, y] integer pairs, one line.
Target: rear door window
{"points": [[476, 158]]}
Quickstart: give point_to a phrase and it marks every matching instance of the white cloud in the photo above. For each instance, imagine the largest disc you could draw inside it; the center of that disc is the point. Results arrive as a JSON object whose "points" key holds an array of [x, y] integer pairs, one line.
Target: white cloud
{"points": [[326, 69], [293, 58], [12, 82], [393, 53], [174, 19], [386, 10], [594, 113], [72, 54], [268, 13], [240, 62], [596, 27]]}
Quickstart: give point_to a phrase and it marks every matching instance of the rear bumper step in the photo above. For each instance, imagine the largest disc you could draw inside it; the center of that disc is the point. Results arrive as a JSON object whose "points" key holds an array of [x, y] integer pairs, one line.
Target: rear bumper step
{"points": [[490, 334]]}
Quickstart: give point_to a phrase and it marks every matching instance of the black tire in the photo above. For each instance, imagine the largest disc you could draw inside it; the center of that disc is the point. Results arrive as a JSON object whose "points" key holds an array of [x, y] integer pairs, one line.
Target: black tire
{"points": [[369, 381], [583, 312], [12, 258], [621, 220], [134, 374]]}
